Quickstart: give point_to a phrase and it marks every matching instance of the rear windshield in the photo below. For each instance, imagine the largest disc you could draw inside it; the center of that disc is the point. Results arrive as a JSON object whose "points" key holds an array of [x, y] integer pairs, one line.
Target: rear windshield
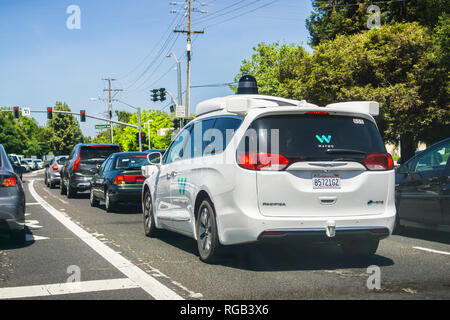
{"points": [[315, 137], [131, 161], [61, 160], [100, 152]]}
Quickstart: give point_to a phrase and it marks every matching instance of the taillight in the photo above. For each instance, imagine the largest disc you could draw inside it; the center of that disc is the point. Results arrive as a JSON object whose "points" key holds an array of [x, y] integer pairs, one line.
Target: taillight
{"points": [[9, 182], [379, 162], [119, 180], [55, 167], [317, 112], [123, 179], [76, 163], [262, 161]]}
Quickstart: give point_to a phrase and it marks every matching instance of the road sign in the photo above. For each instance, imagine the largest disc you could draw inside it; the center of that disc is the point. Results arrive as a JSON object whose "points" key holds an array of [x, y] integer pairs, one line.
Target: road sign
{"points": [[102, 126], [26, 112], [180, 112], [163, 132]]}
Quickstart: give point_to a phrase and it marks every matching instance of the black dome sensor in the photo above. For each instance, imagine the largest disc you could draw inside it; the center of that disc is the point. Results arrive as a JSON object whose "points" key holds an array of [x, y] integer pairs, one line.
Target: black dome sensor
{"points": [[247, 85]]}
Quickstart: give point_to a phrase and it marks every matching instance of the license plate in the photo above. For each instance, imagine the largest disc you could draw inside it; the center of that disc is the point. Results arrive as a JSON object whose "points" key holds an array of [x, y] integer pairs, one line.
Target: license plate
{"points": [[326, 181]]}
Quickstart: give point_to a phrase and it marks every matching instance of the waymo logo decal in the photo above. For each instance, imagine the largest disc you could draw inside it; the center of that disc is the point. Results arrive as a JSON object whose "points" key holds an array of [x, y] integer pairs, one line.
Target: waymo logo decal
{"points": [[181, 185], [323, 138]]}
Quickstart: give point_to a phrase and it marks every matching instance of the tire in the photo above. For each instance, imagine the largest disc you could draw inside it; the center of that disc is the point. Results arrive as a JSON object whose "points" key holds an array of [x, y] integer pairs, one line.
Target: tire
{"points": [[398, 228], [46, 181], [207, 236], [109, 205], [62, 189], [71, 192], [18, 237], [149, 219], [52, 185], [360, 248], [93, 200]]}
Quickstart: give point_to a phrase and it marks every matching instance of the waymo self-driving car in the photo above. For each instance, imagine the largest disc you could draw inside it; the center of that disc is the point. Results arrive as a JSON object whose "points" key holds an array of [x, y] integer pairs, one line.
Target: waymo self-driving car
{"points": [[253, 168]]}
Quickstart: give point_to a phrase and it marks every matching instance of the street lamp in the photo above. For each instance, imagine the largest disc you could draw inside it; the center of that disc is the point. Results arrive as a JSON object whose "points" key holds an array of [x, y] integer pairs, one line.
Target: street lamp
{"points": [[178, 77]]}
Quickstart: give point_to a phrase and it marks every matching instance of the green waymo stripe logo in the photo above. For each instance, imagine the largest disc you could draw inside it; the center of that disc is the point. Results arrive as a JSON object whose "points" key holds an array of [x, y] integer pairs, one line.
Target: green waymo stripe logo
{"points": [[181, 185], [323, 138]]}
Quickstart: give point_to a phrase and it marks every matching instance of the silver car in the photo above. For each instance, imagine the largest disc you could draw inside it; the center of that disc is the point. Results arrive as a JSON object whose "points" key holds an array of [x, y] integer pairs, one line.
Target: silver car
{"points": [[12, 201], [53, 171]]}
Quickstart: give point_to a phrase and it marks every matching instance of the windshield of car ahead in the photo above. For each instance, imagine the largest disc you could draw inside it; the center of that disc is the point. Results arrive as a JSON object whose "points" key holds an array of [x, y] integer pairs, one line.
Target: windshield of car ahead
{"points": [[61, 160], [130, 161], [316, 137], [97, 152]]}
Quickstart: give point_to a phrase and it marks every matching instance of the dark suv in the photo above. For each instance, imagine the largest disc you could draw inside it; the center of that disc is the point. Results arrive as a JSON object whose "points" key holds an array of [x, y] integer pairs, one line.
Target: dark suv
{"points": [[77, 172]]}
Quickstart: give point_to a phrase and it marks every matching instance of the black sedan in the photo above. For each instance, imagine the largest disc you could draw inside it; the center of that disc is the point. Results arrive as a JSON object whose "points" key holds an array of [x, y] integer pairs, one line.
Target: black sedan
{"points": [[12, 200], [119, 179], [423, 189]]}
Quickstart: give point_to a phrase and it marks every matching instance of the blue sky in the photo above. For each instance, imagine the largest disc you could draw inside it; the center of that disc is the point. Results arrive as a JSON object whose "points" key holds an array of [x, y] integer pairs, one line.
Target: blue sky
{"points": [[42, 61]]}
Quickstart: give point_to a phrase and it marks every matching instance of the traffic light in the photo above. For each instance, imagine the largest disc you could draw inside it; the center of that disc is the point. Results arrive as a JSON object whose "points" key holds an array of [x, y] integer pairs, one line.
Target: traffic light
{"points": [[143, 138], [162, 94], [155, 95], [82, 115], [16, 112], [49, 113]]}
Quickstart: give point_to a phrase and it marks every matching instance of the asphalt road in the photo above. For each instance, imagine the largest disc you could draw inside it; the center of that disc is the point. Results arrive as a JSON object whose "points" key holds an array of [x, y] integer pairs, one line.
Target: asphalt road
{"points": [[112, 258]]}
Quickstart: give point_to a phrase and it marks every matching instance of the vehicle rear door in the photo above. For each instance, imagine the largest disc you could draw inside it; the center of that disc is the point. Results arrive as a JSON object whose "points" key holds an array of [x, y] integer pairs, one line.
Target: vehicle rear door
{"points": [[93, 156], [421, 199], [313, 165]]}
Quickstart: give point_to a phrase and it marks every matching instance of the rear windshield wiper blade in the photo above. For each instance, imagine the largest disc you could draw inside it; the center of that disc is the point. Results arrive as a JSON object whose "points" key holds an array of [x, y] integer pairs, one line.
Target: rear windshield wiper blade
{"points": [[344, 151]]}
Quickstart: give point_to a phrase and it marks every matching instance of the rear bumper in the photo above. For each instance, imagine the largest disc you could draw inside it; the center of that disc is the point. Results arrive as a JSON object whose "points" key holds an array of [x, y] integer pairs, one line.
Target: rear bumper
{"points": [[128, 193], [12, 212], [237, 227], [320, 235]]}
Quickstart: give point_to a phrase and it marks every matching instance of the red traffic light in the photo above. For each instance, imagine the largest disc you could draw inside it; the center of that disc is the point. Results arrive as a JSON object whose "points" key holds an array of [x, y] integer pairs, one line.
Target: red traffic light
{"points": [[49, 113], [16, 112], [83, 115]]}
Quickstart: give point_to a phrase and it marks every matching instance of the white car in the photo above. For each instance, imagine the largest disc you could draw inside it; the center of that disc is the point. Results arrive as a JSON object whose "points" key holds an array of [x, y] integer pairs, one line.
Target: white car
{"points": [[268, 168]]}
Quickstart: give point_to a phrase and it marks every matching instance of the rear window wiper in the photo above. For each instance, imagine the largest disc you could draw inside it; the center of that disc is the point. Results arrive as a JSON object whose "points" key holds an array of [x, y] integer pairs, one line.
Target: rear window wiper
{"points": [[344, 151]]}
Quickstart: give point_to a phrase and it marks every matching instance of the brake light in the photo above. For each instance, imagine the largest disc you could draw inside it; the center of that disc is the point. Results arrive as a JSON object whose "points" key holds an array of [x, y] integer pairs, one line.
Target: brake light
{"points": [[76, 163], [317, 112], [263, 161], [379, 162], [55, 167], [9, 182], [119, 180]]}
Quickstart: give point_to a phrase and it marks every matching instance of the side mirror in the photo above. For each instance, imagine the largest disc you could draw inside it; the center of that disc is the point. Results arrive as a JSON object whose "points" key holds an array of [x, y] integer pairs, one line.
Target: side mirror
{"points": [[154, 158], [21, 170]]}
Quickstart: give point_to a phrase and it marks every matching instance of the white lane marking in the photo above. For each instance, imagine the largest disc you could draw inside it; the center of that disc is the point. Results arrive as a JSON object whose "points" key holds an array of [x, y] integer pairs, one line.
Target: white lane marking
{"points": [[32, 203], [66, 288], [33, 224], [148, 283], [432, 250], [32, 237], [63, 201]]}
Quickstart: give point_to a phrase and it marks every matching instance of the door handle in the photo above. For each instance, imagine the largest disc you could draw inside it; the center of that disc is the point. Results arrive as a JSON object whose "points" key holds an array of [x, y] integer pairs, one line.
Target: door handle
{"points": [[174, 174]]}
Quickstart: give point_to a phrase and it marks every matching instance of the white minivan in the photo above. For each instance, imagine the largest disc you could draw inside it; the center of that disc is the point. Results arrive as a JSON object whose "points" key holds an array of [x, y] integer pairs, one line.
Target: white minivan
{"points": [[255, 168]]}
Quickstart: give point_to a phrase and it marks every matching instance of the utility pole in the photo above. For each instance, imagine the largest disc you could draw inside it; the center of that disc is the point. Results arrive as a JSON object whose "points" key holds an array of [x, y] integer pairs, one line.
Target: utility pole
{"points": [[188, 33], [110, 105]]}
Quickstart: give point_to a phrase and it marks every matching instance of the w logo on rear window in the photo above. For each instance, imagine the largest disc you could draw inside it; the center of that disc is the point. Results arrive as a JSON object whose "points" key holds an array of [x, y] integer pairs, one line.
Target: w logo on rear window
{"points": [[181, 185], [323, 138]]}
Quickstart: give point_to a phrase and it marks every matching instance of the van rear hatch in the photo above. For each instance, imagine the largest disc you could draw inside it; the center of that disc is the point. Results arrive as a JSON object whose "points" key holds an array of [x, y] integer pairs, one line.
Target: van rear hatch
{"points": [[318, 164], [93, 156]]}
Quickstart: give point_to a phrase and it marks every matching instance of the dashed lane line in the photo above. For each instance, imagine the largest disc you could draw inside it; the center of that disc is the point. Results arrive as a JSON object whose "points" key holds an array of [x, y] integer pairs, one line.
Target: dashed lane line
{"points": [[66, 288], [148, 283], [432, 250]]}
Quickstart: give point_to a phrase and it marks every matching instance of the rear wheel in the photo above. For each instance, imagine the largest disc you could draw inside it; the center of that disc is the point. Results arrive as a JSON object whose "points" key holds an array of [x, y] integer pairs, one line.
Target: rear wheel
{"points": [[149, 220], [360, 248], [93, 200], [207, 235], [18, 237], [71, 192], [109, 204], [63, 189]]}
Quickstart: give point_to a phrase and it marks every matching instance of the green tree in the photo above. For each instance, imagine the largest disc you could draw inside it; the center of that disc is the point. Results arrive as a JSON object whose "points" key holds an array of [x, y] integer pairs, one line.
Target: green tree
{"points": [[11, 138], [125, 136], [331, 18], [64, 130]]}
